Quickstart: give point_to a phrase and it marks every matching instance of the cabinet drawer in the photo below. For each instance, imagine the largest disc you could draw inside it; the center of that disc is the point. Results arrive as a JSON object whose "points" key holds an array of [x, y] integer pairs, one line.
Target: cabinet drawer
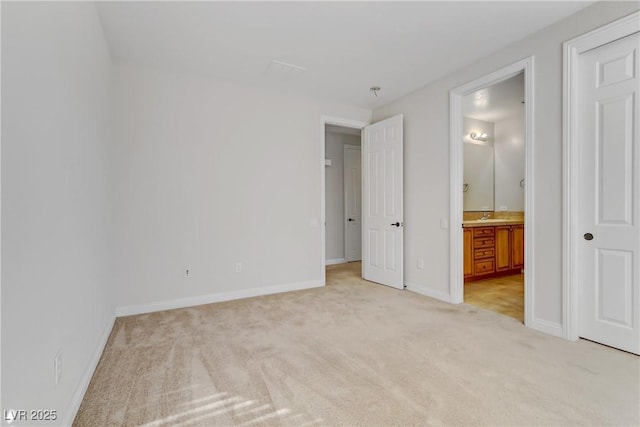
{"points": [[483, 253], [483, 267], [483, 242], [483, 231]]}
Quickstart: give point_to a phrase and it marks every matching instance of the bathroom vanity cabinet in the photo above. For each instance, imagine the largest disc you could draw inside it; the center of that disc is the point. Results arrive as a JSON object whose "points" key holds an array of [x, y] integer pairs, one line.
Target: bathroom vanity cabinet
{"points": [[509, 247], [493, 250]]}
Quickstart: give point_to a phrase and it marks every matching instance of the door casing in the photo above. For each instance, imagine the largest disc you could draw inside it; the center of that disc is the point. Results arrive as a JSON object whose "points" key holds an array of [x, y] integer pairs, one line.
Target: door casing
{"points": [[456, 274], [571, 53]]}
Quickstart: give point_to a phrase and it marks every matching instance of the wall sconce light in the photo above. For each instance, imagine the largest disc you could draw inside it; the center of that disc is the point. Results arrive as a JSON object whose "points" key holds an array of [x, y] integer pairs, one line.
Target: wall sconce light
{"points": [[476, 136]]}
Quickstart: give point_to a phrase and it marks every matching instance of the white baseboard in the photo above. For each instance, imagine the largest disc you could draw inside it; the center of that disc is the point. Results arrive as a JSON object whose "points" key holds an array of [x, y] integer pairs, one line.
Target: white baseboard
{"points": [[81, 389], [335, 261], [432, 293], [130, 310], [547, 327]]}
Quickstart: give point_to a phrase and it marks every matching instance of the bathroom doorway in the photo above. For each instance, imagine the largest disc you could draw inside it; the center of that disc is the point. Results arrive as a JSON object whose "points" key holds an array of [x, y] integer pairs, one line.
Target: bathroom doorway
{"points": [[491, 167], [493, 197]]}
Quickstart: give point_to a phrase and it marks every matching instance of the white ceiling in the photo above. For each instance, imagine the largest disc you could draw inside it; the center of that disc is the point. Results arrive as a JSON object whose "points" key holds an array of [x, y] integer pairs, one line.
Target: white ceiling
{"points": [[345, 47], [497, 102]]}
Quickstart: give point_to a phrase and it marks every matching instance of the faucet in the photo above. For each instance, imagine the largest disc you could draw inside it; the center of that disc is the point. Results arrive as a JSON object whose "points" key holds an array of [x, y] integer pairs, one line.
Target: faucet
{"points": [[485, 215]]}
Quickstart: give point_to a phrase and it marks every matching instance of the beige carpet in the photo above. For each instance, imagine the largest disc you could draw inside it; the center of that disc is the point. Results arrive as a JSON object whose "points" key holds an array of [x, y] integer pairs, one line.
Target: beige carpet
{"points": [[353, 353]]}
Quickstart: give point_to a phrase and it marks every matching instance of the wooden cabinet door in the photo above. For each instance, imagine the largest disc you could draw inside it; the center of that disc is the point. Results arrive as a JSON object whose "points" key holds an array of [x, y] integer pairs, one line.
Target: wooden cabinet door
{"points": [[517, 246], [468, 252], [503, 248]]}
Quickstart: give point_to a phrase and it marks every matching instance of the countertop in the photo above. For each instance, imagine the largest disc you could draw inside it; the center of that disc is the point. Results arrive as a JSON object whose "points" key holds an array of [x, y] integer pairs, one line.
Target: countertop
{"points": [[491, 222]]}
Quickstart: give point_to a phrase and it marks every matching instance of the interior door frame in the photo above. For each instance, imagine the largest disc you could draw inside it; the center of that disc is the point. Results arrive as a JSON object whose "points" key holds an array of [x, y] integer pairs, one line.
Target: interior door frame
{"points": [[338, 121], [346, 213], [456, 274], [572, 49]]}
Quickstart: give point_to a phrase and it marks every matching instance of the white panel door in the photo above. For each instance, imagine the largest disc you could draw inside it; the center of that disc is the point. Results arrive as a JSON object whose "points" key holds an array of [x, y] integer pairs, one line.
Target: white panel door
{"points": [[609, 193], [352, 203], [382, 191]]}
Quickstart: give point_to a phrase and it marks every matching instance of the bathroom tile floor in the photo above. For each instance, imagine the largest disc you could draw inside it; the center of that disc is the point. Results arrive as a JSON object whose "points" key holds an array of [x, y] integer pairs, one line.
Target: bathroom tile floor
{"points": [[504, 295]]}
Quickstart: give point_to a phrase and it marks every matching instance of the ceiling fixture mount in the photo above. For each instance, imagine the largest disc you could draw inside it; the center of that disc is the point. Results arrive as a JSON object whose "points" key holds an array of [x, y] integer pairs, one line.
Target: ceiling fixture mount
{"points": [[375, 90]]}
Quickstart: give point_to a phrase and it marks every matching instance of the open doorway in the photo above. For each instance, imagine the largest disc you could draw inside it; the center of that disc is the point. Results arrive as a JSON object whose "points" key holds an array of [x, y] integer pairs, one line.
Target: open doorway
{"points": [[493, 197], [499, 242], [382, 220], [337, 259], [343, 195]]}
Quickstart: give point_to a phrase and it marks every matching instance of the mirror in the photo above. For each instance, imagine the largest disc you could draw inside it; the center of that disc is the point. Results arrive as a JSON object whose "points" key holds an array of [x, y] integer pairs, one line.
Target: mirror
{"points": [[493, 149], [479, 165]]}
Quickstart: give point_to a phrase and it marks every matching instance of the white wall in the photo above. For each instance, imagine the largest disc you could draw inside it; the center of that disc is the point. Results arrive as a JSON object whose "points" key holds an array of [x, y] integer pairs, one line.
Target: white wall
{"points": [[478, 166], [509, 163], [334, 192], [208, 174], [426, 133], [56, 122]]}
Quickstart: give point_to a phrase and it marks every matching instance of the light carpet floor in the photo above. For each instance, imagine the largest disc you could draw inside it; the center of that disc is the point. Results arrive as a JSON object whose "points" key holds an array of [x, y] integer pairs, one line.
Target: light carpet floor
{"points": [[353, 353]]}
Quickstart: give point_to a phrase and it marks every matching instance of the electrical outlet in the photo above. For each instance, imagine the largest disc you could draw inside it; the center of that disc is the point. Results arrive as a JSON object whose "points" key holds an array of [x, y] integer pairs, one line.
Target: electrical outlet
{"points": [[57, 367], [187, 273], [238, 267], [420, 263]]}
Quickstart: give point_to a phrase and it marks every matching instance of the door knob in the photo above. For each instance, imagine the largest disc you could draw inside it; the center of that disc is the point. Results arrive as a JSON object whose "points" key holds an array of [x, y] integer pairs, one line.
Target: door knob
{"points": [[351, 219], [588, 236], [397, 224]]}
